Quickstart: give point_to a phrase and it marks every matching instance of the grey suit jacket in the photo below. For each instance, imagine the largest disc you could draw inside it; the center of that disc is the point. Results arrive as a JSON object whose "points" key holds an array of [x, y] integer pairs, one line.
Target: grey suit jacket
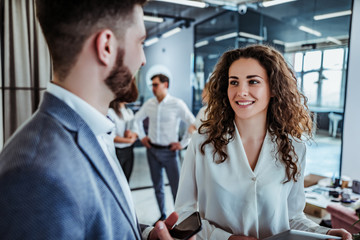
{"points": [[56, 183]]}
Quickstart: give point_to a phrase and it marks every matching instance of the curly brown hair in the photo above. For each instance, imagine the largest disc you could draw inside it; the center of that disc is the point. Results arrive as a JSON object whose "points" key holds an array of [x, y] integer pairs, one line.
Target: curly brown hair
{"points": [[288, 116]]}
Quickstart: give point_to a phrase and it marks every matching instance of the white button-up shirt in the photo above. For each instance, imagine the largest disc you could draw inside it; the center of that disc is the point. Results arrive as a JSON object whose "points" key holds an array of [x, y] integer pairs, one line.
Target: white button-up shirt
{"points": [[122, 123], [234, 199], [101, 126], [164, 120]]}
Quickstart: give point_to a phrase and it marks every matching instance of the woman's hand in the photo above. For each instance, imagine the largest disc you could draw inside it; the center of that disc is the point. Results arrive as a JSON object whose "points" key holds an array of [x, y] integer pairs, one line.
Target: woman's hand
{"points": [[341, 233], [131, 136]]}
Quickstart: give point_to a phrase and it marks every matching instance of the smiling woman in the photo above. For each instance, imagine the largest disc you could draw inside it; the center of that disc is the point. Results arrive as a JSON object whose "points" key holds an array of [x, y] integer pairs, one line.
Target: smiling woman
{"points": [[256, 122]]}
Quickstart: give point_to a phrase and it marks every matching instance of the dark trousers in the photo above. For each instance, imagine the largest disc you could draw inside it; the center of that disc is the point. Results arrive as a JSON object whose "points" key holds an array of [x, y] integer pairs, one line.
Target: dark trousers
{"points": [[126, 159], [159, 159]]}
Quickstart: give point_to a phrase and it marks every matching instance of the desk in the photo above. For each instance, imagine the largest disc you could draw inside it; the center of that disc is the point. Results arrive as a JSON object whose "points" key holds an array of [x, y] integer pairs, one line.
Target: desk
{"points": [[317, 199]]}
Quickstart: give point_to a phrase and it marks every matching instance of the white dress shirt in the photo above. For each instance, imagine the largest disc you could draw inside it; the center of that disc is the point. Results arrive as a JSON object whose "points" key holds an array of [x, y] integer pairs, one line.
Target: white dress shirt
{"points": [[164, 120], [100, 125], [234, 199], [123, 123]]}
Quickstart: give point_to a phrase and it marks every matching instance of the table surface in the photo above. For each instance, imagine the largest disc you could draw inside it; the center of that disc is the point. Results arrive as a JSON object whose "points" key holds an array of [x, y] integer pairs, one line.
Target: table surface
{"points": [[319, 196]]}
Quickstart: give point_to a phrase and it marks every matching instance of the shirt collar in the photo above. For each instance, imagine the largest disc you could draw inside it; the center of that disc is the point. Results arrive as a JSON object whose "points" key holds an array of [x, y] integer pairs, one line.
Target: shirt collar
{"points": [[166, 98], [97, 122]]}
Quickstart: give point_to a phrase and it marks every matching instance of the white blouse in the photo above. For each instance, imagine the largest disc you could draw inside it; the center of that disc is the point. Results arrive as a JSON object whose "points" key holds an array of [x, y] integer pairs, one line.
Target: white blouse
{"points": [[122, 123], [234, 199]]}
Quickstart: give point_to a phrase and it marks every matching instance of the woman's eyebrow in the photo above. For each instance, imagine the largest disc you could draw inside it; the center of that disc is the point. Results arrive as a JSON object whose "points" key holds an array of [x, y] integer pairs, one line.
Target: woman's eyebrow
{"points": [[253, 76]]}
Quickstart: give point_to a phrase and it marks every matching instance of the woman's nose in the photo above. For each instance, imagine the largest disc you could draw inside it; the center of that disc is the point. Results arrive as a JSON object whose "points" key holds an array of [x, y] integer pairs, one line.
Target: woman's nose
{"points": [[243, 90]]}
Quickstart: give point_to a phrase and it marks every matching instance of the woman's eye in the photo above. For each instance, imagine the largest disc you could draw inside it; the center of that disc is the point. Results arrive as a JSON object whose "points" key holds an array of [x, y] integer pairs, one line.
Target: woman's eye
{"points": [[253, 82], [233, 82]]}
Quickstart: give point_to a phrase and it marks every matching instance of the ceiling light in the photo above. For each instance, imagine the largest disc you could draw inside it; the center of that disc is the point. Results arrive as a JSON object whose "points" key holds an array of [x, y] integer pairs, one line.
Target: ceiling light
{"points": [[186, 3], [201, 43], [226, 36], [171, 32], [334, 40], [249, 35], [153, 19], [279, 42], [314, 41], [332, 15], [213, 56], [309, 30], [275, 2], [151, 41]]}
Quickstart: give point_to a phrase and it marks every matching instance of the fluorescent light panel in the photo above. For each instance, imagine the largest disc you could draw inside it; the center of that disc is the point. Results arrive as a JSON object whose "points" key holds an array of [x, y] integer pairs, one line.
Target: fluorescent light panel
{"points": [[153, 19], [171, 32], [226, 36], [201, 43], [151, 41], [332, 15], [275, 2], [309, 30], [314, 41], [186, 3], [279, 42], [213, 56], [249, 35], [334, 40]]}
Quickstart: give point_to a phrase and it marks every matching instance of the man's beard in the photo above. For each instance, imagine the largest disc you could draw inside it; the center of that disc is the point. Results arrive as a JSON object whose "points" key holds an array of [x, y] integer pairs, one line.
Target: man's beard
{"points": [[121, 81]]}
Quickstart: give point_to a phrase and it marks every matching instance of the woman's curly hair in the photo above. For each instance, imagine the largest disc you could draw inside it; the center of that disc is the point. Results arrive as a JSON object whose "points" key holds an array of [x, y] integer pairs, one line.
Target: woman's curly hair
{"points": [[287, 116]]}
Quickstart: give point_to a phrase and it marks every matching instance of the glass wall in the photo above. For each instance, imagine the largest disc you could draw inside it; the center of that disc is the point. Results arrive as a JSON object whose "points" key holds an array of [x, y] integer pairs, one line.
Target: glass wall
{"points": [[313, 35]]}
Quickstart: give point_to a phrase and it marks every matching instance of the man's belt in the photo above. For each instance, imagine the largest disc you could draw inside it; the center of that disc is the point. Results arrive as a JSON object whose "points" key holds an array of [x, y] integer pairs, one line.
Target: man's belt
{"points": [[159, 146]]}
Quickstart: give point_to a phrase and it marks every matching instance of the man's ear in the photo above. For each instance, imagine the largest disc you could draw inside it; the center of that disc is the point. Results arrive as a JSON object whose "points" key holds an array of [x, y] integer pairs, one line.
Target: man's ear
{"points": [[105, 46]]}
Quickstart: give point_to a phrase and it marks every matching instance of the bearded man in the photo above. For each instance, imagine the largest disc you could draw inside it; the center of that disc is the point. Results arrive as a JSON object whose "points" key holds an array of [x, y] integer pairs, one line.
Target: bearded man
{"points": [[59, 176]]}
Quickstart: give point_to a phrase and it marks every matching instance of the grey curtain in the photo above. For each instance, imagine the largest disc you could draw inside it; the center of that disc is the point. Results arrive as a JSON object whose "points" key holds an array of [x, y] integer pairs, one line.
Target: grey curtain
{"points": [[25, 64]]}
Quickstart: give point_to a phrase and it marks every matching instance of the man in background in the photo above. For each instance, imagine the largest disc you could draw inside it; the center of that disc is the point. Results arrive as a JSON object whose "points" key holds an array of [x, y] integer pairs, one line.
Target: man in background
{"points": [[162, 142], [59, 176]]}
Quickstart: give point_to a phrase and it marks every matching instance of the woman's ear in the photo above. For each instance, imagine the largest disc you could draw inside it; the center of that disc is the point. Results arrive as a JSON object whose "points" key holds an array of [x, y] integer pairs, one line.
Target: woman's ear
{"points": [[105, 46]]}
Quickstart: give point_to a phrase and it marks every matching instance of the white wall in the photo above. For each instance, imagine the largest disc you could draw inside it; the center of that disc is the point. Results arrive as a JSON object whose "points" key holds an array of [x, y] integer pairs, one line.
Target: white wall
{"points": [[175, 54], [351, 132]]}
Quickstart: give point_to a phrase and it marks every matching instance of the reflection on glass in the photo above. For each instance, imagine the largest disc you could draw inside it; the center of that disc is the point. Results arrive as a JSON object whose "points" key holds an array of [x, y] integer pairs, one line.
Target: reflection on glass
{"points": [[310, 87], [333, 58], [312, 60], [298, 62], [331, 86]]}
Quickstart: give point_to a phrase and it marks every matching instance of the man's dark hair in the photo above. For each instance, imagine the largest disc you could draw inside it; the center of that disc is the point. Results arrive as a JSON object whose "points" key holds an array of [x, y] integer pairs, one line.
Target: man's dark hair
{"points": [[66, 25], [163, 78]]}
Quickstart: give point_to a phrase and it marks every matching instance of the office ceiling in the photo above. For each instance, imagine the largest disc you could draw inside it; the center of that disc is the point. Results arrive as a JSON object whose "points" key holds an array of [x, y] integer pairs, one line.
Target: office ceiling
{"points": [[282, 20]]}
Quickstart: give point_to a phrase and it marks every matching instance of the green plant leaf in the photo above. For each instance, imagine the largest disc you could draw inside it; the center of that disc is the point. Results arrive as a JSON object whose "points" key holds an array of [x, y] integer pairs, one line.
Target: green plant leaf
{"points": [[356, 222]]}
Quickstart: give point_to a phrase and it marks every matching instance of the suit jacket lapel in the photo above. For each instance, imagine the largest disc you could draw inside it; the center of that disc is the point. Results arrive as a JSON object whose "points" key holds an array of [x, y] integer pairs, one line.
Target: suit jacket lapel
{"points": [[89, 145], [91, 148]]}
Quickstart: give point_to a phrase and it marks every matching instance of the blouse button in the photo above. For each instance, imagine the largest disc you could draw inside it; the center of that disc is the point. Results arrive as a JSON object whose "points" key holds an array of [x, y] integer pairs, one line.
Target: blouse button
{"points": [[253, 178]]}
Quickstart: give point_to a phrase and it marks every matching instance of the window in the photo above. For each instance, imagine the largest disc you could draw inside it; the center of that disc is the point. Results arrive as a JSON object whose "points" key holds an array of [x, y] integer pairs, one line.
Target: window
{"points": [[322, 76]]}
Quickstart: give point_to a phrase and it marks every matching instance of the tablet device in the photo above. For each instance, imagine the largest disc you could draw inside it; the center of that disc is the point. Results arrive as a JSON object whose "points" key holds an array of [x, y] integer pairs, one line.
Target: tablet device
{"points": [[300, 235]]}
